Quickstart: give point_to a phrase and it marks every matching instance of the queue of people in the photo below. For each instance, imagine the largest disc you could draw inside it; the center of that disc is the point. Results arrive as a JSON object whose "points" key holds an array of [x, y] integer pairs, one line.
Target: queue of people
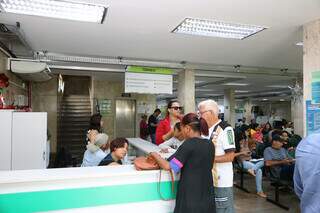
{"points": [[203, 151]]}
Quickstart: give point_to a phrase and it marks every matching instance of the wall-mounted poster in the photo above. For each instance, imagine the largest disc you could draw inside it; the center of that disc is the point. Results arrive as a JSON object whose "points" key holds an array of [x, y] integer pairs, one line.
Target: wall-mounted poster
{"points": [[105, 106], [315, 87], [313, 117]]}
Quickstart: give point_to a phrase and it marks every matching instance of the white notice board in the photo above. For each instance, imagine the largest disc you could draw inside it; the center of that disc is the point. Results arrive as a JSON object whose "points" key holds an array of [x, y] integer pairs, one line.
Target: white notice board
{"points": [[148, 83]]}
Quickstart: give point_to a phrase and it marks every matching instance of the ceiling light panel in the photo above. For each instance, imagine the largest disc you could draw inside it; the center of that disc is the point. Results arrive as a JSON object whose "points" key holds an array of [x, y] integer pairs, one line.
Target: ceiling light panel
{"points": [[215, 28], [56, 9], [235, 84]]}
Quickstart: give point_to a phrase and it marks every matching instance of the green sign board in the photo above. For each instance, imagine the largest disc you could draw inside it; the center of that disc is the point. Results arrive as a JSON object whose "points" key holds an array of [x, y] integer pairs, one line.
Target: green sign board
{"points": [[152, 70], [105, 106]]}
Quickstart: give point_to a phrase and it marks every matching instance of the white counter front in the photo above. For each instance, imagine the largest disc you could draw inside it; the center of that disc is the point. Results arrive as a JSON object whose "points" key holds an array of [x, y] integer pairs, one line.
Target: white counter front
{"points": [[91, 189]]}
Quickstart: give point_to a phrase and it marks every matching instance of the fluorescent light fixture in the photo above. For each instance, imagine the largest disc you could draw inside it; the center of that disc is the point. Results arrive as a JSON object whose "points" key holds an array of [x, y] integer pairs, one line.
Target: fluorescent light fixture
{"points": [[204, 90], [281, 99], [278, 86], [299, 43], [214, 28], [264, 99], [61, 9], [241, 91], [235, 84]]}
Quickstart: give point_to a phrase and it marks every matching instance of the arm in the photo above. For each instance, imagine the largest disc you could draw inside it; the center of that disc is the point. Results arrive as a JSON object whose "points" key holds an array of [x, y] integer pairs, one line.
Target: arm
{"points": [[167, 144], [227, 157], [241, 153], [228, 143], [278, 162], [162, 162], [168, 135]]}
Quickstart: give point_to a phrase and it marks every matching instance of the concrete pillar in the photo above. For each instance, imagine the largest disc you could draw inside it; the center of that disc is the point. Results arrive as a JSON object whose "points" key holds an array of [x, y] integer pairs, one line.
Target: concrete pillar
{"points": [[311, 60], [297, 114], [186, 90], [229, 107], [247, 108]]}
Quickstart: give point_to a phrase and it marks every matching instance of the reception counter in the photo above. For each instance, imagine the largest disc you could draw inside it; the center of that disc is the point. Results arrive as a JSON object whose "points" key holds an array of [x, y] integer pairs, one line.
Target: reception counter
{"points": [[146, 147], [90, 189]]}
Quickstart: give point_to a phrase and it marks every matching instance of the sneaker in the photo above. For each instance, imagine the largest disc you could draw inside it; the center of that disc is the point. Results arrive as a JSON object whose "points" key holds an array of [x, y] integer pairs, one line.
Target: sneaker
{"points": [[261, 194]]}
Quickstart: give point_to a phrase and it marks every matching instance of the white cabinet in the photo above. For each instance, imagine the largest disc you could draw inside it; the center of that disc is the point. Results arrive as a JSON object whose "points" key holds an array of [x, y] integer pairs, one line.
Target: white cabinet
{"points": [[23, 140]]}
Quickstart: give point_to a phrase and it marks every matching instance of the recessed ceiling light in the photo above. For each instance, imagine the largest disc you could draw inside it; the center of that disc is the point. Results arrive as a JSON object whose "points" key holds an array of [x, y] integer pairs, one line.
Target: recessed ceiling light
{"points": [[235, 84], [299, 43], [241, 91], [56, 9], [264, 99], [214, 28]]}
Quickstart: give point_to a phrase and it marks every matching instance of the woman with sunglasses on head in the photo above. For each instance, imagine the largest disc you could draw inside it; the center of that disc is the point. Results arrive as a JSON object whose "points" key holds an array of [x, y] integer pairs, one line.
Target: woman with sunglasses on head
{"points": [[194, 160], [165, 127]]}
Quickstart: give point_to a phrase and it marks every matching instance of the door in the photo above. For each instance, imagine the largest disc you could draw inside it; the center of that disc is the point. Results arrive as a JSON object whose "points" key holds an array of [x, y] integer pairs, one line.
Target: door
{"points": [[125, 118], [5, 139], [29, 137]]}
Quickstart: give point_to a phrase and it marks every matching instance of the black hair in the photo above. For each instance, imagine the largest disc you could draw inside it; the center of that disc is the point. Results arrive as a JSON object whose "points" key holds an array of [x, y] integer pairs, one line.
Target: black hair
{"points": [[157, 110], [95, 122], [118, 143], [178, 126], [170, 105], [197, 124]]}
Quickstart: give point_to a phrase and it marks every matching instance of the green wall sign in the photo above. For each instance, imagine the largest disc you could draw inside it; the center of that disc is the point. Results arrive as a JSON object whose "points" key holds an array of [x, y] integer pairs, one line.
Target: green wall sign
{"points": [[152, 70]]}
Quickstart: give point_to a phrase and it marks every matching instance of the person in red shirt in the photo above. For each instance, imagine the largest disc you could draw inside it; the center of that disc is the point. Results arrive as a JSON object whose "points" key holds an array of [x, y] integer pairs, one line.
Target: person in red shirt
{"points": [[165, 127]]}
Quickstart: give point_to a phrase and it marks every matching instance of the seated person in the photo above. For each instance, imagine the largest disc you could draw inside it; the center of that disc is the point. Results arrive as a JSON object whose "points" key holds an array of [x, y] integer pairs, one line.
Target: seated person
{"points": [[118, 150], [277, 158], [173, 143], [97, 149], [253, 167]]}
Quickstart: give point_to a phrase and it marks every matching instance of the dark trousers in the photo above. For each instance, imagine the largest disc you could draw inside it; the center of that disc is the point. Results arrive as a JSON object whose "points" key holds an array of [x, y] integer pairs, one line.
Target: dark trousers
{"points": [[153, 138], [287, 172]]}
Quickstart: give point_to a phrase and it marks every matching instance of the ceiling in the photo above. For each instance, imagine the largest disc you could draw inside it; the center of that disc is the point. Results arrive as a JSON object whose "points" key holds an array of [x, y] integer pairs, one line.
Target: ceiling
{"points": [[142, 30]]}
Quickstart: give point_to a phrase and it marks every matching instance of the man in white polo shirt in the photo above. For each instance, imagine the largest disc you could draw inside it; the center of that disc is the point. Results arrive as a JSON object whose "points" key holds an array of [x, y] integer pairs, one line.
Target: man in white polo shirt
{"points": [[222, 135]]}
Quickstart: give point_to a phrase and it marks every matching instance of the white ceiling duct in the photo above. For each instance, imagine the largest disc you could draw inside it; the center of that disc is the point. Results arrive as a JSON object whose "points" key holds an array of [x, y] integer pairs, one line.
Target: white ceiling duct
{"points": [[29, 69]]}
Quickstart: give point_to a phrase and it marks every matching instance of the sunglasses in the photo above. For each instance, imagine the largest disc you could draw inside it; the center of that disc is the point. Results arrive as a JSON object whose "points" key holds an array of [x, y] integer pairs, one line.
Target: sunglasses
{"points": [[176, 108]]}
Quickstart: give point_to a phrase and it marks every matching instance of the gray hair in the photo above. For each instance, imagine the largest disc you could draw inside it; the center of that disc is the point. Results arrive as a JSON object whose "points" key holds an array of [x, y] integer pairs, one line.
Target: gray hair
{"points": [[210, 105]]}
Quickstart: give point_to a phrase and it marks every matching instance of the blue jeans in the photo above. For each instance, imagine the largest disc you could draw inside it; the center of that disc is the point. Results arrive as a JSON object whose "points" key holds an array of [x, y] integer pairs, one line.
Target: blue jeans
{"points": [[153, 138], [256, 166]]}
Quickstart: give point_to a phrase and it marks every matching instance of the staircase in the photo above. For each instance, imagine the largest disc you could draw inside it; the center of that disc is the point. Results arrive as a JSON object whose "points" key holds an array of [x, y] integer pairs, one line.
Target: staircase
{"points": [[73, 122]]}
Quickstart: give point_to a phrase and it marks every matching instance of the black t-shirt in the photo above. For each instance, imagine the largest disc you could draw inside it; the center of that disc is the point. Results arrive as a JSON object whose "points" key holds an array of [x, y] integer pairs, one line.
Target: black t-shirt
{"points": [[195, 189], [107, 160], [152, 120]]}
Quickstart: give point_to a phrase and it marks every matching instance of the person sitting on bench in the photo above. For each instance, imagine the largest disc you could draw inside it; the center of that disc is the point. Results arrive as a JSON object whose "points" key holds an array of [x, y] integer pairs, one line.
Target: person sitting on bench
{"points": [[277, 158]]}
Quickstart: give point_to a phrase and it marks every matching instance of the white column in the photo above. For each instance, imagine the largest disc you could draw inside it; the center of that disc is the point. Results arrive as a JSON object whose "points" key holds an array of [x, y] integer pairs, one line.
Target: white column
{"points": [[186, 90], [247, 108], [311, 60], [229, 107], [297, 113]]}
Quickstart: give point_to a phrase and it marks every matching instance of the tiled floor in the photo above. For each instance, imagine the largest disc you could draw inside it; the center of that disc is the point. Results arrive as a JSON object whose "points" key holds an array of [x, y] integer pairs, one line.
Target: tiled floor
{"points": [[250, 203]]}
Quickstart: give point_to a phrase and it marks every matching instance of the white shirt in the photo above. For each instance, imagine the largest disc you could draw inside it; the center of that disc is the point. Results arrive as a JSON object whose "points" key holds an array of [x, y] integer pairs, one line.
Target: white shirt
{"points": [[169, 143], [225, 141], [93, 158]]}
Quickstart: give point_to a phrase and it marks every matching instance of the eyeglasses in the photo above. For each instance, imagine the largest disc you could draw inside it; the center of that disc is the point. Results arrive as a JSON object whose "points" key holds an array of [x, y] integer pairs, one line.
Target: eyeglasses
{"points": [[176, 108], [201, 113]]}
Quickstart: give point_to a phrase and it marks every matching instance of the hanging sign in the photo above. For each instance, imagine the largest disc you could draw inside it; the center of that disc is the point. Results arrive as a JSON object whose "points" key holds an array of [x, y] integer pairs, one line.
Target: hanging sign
{"points": [[148, 80]]}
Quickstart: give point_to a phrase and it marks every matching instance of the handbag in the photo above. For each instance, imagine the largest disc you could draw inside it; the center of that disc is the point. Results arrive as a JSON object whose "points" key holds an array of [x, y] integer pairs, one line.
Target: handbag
{"points": [[146, 163], [149, 163]]}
